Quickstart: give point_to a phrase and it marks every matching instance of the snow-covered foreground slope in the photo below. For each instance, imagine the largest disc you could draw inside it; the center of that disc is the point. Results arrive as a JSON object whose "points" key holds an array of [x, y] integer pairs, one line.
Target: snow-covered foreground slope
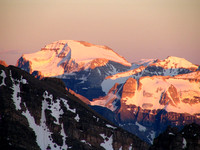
{"points": [[69, 56], [41, 114]]}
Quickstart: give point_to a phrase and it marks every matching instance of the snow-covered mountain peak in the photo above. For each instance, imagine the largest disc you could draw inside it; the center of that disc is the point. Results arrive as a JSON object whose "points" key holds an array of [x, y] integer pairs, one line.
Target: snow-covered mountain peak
{"points": [[54, 58], [84, 51], [175, 62]]}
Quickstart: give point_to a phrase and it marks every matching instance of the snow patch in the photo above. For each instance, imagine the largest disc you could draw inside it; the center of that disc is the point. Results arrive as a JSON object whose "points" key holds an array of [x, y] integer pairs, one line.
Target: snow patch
{"points": [[141, 127], [107, 101], [107, 144], [184, 143], [83, 141], [109, 126], [151, 136], [3, 74], [15, 96], [43, 135], [64, 137], [67, 106], [77, 118], [54, 106], [170, 133], [130, 147], [16, 90]]}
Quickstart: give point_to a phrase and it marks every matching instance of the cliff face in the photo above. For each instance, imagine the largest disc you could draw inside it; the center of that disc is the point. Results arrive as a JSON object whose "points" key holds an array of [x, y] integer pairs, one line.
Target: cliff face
{"points": [[41, 114], [129, 88], [171, 97], [145, 107]]}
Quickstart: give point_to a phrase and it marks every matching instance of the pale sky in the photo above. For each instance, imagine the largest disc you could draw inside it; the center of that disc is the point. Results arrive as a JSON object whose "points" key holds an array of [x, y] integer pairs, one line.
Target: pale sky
{"points": [[135, 29]]}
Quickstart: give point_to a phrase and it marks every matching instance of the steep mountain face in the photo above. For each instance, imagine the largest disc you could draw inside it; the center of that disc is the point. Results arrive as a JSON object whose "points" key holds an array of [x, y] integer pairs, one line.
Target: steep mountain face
{"points": [[172, 139], [41, 114], [88, 82], [81, 65], [143, 98], [150, 104], [67, 56]]}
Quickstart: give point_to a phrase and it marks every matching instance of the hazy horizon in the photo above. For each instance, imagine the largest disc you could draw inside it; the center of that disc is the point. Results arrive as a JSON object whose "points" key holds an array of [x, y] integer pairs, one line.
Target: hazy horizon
{"points": [[134, 29]]}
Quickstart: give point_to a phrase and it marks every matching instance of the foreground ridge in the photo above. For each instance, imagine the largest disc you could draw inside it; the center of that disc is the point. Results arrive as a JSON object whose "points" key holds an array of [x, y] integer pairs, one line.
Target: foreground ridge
{"points": [[43, 115]]}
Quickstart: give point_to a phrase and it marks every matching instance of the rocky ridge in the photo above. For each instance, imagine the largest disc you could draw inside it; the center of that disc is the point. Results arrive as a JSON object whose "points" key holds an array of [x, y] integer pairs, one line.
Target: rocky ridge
{"points": [[41, 114]]}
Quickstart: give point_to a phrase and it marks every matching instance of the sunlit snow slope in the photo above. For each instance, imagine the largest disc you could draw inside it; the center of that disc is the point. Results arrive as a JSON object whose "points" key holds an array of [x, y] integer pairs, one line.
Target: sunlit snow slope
{"points": [[53, 58]]}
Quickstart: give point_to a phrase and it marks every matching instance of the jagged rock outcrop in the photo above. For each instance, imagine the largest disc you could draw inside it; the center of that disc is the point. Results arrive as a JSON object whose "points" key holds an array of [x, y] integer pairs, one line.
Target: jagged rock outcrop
{"points": [[42, 114], [24, 64], [170, 96], [129, 88], [128, 91]]}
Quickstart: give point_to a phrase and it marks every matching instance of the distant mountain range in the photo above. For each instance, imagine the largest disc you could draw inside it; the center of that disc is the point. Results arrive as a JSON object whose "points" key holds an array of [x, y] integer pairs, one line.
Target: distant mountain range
{"points": [[143, 98]]}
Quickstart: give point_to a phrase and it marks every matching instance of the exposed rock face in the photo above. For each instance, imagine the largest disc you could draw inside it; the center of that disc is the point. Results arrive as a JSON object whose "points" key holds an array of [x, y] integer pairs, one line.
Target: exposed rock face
{"points": [[172, 139], [88, 82], [3, 63], [99, 62], [171, 97], [24, 64], [40, 114], [148, 124], [82, 98], [129, 88]]}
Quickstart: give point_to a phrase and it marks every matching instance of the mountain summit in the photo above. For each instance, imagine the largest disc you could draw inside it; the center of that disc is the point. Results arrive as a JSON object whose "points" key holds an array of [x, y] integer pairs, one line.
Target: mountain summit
{"points": [[175, 62], [64, 56]]}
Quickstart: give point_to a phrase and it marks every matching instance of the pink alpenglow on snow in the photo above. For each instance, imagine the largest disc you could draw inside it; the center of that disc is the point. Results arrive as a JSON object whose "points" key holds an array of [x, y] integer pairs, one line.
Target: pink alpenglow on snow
{"points": [[49, 59]]}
